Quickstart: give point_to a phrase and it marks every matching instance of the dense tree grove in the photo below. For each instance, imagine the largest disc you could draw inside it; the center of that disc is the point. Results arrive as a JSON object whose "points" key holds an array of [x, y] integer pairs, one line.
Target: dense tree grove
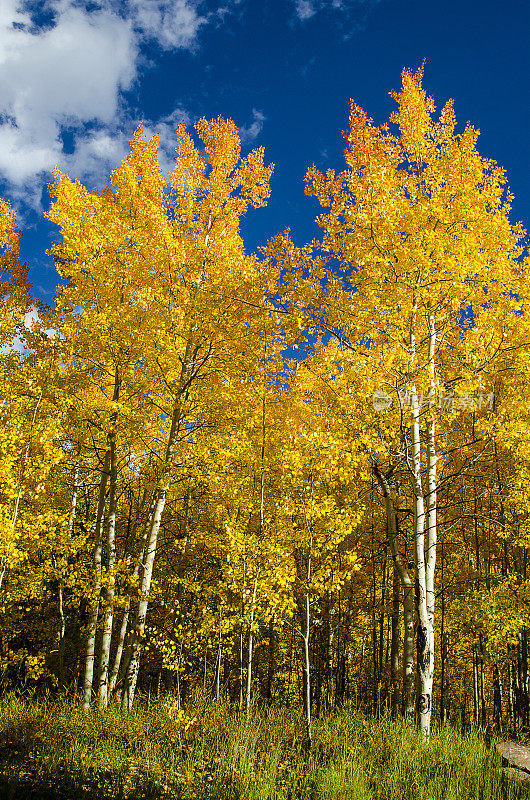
{"points": [[184, 506]]}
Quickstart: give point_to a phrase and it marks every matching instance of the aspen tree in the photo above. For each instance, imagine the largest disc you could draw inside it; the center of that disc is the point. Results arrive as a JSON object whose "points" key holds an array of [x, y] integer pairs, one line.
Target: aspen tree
{"points": [[419, 221], [178, 294]]}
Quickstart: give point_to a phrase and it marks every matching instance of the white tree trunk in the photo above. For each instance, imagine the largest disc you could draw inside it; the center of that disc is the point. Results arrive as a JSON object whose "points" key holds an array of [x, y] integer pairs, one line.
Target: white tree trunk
{"points": [[119, 651], [408, 653], [431, 537], [307, 664], [241, 665], [425, 554], [423, 634], [306, 632], [94, 608], [115, 676], [61, 626], [251, 641], [132, 661], [108, 616]]}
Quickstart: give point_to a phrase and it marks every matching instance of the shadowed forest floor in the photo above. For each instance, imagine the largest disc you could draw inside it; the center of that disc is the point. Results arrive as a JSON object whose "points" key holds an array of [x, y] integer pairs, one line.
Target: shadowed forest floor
{"points": [[51, 750]]}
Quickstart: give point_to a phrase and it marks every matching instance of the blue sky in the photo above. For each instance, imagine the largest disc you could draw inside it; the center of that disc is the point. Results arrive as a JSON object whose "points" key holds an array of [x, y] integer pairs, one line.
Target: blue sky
{"points": [[76, 78]]}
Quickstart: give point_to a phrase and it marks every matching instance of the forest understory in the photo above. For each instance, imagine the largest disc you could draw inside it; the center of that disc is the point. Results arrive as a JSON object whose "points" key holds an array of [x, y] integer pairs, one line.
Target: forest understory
{"points": [[52, 750]]}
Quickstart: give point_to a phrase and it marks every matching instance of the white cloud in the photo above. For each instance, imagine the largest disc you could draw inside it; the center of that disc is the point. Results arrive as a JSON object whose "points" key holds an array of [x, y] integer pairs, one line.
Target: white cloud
{"points": [[21, 158], [173, 23], [11, 14], [70, 74], [65, 75], [305, 9], [96, 153], [252, 131]]}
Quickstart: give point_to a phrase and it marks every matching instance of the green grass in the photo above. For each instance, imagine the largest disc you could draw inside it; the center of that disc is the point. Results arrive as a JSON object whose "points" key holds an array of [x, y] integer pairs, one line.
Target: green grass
{"points": [[52, 750]]}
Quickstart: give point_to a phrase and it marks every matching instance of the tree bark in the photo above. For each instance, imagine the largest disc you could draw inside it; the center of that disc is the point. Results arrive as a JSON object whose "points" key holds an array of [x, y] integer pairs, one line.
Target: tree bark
{"points": [[425, 530], [241, 631], [306, 667], [497, 695], [511, 704], [381, 635], [108, 615], [426, 656], [483, 713], [524, 664], [424, 633], [251, 641], [271, 663], [476, 706], [94, 608], [394, 647]]}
